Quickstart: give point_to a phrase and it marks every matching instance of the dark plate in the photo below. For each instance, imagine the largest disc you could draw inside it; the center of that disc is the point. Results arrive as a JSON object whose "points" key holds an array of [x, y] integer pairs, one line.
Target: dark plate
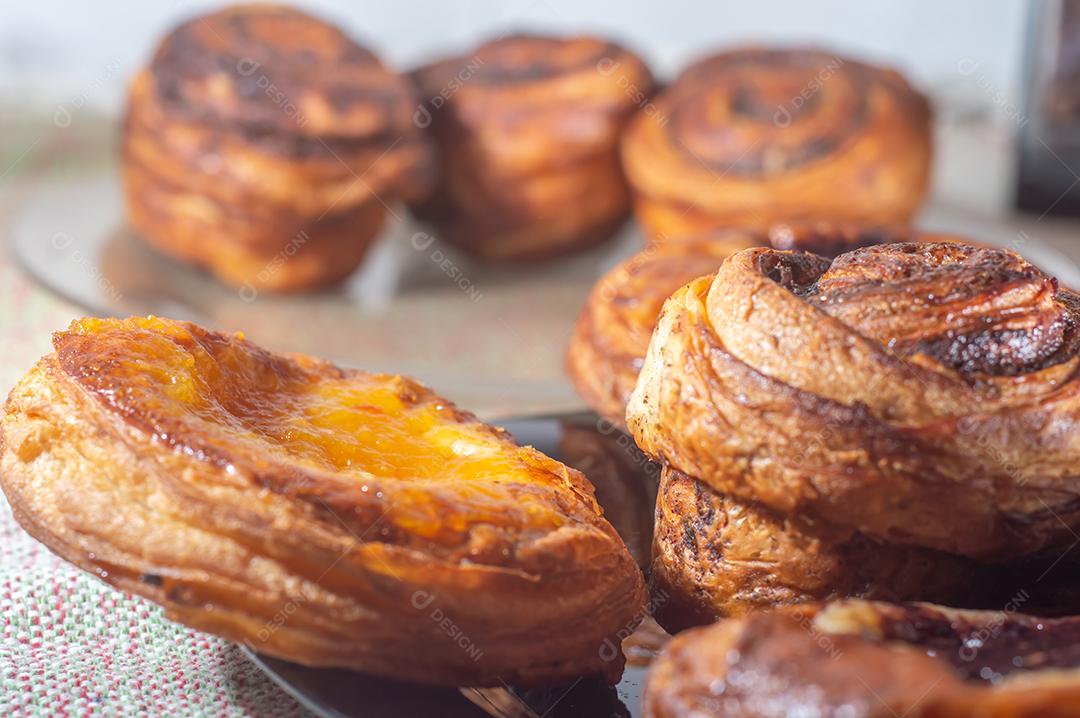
{"points": [[626, 487]]}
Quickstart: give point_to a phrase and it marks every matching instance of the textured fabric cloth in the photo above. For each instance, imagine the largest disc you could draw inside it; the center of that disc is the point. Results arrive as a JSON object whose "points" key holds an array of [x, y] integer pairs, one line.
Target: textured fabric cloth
{"points": [[72, 646]]}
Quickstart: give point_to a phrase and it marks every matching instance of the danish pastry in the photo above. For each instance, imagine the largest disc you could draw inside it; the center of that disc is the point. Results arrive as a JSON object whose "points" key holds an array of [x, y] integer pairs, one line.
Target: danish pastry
{"points": [[527, 129], [755, 136], [612, 333], [921, 394], [326, 516], [265, 145], [871, 660]]}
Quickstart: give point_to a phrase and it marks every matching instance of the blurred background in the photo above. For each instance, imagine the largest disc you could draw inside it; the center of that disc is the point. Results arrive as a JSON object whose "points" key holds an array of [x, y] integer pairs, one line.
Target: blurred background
{"points": [[65, 67], [60, 57]]}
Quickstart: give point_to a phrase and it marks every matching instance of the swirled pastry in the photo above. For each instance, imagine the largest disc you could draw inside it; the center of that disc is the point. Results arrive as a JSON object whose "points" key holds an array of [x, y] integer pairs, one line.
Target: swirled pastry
{"points": [[924, 394], [612, 333], [755, 136], [715, 556], [871, 660], [327, 516], [527, 129], [264, 145]]}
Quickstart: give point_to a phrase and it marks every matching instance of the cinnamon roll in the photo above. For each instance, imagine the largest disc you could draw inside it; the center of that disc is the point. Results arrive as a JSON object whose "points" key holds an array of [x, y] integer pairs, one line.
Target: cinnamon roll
{"points": [[754, 136], [265, 145], [871, 660], [920, 394], [612, 333], [527, 130], [715, 556], [327, 516]]}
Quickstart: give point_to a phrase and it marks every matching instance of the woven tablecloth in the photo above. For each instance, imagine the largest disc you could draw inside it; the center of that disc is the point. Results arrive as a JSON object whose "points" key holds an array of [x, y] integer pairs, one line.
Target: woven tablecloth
{"points": [[73, 646]]}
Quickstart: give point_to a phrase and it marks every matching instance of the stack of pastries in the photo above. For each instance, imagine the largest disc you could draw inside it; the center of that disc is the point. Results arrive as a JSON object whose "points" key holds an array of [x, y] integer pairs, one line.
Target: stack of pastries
{"points": [[527, 129], [755, 136], [265, 145], [890, 423]]}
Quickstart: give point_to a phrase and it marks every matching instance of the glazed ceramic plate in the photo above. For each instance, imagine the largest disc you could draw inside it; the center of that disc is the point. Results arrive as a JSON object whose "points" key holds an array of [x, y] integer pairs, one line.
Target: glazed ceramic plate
{"points": [[626, 487], [489, 337]]}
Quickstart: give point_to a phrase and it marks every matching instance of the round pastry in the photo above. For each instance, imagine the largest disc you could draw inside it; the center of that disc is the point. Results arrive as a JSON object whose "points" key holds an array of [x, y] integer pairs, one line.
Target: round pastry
{"points": [[527, 130], [327, 516], [612, 333], [755, 136], [715, 556], [923, 394], [265, 145], [871, 660]]}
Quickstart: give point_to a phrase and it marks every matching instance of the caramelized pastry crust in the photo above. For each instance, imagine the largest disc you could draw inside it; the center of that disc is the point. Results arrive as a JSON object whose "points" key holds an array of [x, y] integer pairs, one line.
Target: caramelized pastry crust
{"points": [[264, 144], [527, 129], [327, 516], [871, 660], [715, 556], [612, 333], [755, 136], [923, 394]]}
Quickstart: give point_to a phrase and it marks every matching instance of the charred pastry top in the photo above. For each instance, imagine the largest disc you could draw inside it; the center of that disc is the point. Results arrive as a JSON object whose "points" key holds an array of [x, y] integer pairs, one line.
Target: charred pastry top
{"points": [[983, 646], [734, 111], [978, 310], [523, 58], [246, 67], [541, 72]]}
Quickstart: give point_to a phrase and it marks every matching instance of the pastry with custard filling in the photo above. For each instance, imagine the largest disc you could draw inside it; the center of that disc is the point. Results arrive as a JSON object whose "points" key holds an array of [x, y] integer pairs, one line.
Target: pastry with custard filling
{"points": [[327, 516]]}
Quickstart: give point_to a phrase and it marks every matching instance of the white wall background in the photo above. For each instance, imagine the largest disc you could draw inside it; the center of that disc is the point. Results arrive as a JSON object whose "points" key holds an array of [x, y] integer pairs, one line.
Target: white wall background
{"points": [[57, 51]]}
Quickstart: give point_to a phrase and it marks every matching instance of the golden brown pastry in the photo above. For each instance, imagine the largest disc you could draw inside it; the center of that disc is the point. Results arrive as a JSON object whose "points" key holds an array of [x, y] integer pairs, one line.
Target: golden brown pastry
{"points": [[862, 659], [265, 145], [612, 333], [327, 516], [715, 556], [755, 136], [922, 394], [527, 129]]}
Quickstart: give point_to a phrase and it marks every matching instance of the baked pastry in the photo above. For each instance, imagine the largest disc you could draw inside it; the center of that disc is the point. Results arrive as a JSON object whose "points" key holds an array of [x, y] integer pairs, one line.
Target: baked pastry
{"points": [[871, 660], [921, 394], [527, 129], [612, 333], [715, 556], [327, 516], [265, 145], [755, 136]]}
